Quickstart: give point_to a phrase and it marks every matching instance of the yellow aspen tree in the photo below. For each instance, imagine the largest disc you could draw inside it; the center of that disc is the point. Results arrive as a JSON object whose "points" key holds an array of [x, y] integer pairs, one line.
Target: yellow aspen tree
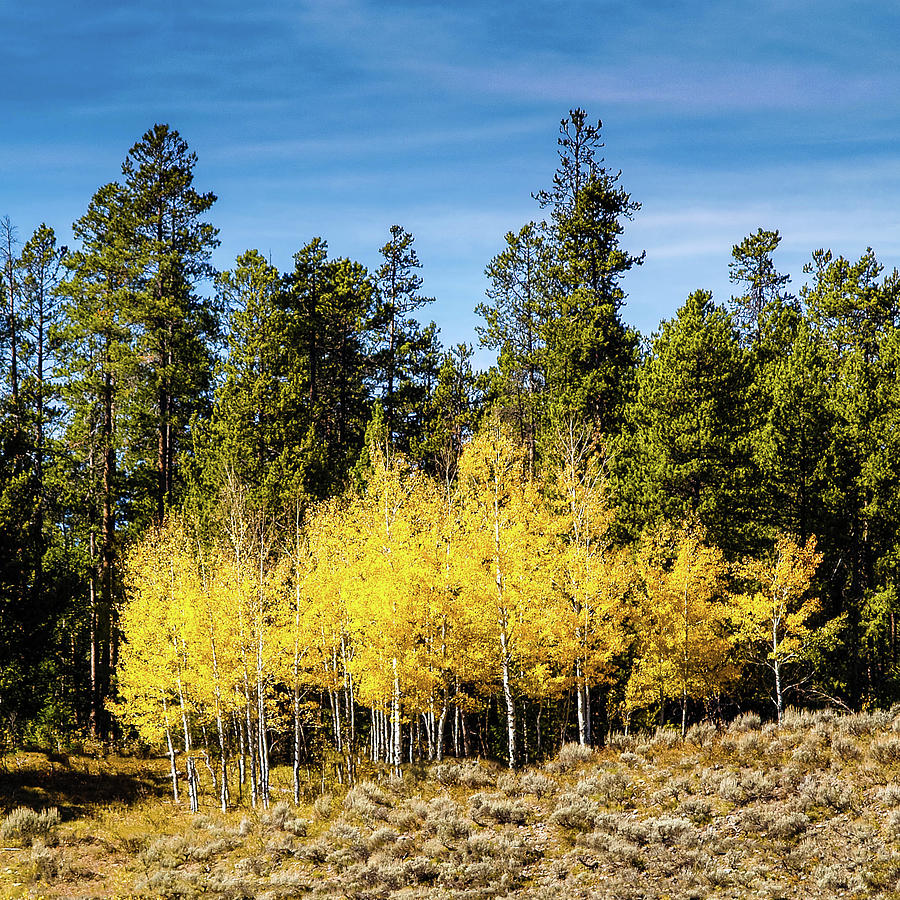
{"points": [[162, 580], [445, 635], [593, 576], [147, 663], [218, 636], [298, 593], [773, 616], [508, 553], [249, 541], [388, 598], [683, 628], [333, 549]]}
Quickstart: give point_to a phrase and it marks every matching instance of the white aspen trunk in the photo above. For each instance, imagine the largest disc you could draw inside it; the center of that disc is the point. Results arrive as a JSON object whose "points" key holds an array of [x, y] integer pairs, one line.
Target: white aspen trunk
{"points": [[395, 716], [206, 760], [171, 745], [251, 746], [336, 719], [776, 666], [508, 697], [579, 704], [242, 754], [684, 674], [348, 695], [220, 724], [441, 727], [261, 723], [587, 715], [504, 636], [295, 762], [248, 715], [190, 765], [429, 723]]}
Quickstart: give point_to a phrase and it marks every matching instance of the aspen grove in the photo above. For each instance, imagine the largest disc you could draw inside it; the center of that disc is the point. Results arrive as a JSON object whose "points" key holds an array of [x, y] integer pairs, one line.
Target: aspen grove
{"points": [[391, 619]]}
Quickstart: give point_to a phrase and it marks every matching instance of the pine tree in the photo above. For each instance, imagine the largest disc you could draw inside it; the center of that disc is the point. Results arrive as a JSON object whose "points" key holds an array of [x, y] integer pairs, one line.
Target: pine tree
{"points": [[99, 366], [687, 452], [396, 333], [855, 315], [591, 354], [764, 285], [177, 326], [516, 327]]}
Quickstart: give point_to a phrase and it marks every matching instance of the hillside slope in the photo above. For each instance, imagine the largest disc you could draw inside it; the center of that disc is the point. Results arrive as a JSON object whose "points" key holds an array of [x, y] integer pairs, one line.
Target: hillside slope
{"points": [[808, 809]]}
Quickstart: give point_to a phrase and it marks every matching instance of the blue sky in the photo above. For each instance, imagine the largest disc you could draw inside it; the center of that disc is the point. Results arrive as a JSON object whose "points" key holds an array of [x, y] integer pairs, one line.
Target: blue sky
{"points": [[340, 118]]}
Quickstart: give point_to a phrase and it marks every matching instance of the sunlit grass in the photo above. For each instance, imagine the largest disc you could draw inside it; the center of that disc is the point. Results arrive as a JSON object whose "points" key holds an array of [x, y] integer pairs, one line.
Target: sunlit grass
{"points": [[751, 810]]}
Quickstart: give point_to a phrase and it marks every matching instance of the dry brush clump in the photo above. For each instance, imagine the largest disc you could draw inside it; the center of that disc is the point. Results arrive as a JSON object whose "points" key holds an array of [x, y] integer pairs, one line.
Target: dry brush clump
{"points": [[25, 825]]}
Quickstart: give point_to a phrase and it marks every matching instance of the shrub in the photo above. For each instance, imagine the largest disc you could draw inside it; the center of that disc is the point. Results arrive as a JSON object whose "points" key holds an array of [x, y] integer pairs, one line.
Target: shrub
{"points": [[610, 787], [26, 825], [48, 862], [860, 724], [787, 824], [443, 820], [885, 751], [670, 829], [893, 824], [697, 809], [323, 806], [889, 795], [494, 808], [575, 812], [746, 786], [404, 819], [811, 753], [702, 734], [745, 722], [663, 739], [672, 790], [614, 845], [347, 845], [617, 740], [750, 744], [381, 837], [470, 774], [825, 791], [837, 878], [537, 784], [367, 801], [281, 818], [570, 756], [844, 749]]}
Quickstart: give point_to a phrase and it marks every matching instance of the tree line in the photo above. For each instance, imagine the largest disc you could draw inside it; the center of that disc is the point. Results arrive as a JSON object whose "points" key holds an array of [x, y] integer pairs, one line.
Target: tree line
{"points": [[253, 508]]}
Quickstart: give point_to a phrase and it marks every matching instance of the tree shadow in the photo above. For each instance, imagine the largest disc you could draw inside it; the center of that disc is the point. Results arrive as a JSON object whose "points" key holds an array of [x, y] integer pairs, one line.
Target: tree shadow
{"points": [[75, 785]]}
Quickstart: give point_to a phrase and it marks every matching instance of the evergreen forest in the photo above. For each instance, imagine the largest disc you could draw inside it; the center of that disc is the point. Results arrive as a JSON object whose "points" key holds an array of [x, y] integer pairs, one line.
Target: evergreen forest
{"points": [[256, 517]]}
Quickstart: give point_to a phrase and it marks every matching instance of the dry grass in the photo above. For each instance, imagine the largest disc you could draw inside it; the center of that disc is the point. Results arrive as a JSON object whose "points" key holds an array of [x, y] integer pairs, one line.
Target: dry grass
{"points": [[810, 809]]}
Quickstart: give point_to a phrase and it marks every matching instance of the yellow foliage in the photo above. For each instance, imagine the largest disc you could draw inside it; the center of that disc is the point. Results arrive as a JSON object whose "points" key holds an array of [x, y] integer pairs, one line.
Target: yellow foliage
{"points": [[684, 640], [772, 617]]}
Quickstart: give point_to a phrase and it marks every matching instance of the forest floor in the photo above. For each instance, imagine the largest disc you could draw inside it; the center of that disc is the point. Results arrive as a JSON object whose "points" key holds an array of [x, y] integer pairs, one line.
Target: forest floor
{"points": [[808, 809]]}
